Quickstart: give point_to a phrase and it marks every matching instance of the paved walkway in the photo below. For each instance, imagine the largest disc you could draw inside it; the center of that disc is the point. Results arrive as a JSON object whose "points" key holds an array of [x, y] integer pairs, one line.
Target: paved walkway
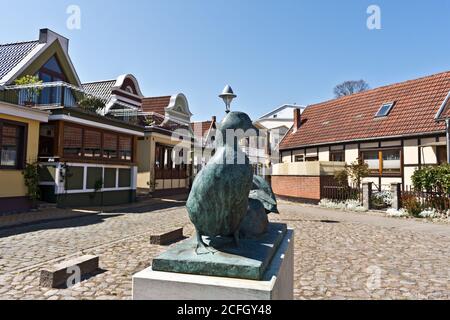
{"points": [[343, 255], [337, 255]]}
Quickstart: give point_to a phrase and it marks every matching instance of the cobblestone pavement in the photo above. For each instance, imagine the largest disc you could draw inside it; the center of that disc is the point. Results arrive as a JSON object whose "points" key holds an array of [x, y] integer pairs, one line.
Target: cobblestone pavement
{"points": [[337, 255]]}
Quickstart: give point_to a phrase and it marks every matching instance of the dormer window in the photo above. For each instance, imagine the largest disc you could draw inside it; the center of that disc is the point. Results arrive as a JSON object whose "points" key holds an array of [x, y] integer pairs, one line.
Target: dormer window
{"points": [[385, 110]]}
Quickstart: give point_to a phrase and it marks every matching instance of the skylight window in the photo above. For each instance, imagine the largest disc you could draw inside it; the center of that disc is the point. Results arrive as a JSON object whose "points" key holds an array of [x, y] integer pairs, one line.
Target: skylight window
{"points": [[385, 110]]}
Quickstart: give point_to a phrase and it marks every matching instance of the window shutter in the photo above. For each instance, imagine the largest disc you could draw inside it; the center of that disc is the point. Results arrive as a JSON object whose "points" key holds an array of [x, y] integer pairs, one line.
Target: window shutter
{"points": [[73, 137], [110, 141], [124, 144], [92, 139]]}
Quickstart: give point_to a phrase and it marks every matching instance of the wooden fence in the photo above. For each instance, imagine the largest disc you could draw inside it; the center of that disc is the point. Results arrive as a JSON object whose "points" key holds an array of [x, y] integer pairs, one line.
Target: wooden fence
{"points": [[438, 200], [341, 194]]}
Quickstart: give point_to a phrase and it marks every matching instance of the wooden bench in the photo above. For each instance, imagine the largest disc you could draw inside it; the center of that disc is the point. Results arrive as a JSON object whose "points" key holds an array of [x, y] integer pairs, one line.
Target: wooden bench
{"points": [[167, 238], [58, 275]]}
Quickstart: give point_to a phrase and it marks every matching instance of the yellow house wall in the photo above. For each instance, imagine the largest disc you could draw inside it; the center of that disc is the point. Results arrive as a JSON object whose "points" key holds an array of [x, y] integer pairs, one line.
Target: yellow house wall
{"points": [[143, 158], [11, 181], [146, 160]]}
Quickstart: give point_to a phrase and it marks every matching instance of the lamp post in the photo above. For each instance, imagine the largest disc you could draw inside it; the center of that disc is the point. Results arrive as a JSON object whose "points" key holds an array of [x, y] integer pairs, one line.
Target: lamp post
{"points": [[227, 96]]}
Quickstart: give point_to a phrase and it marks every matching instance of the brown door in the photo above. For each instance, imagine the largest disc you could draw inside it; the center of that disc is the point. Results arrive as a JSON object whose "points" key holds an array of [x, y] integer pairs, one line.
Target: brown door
{"points": [[441, 152]]}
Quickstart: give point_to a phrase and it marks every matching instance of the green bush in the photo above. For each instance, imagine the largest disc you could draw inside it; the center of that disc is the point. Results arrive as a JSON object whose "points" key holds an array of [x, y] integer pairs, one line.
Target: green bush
{"points": [[32, 92], [32, 177], [357, 171], [377, 202], [341, 178], [91, 104], [432, 179]]}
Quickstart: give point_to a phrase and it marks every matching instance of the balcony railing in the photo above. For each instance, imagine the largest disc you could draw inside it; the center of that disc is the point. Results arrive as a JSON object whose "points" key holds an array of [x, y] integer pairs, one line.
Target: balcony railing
{"points": [[44, 95]]}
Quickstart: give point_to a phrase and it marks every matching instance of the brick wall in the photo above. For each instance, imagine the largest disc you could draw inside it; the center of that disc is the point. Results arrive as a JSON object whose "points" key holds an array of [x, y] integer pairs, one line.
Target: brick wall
{"points": [[300, 188]]}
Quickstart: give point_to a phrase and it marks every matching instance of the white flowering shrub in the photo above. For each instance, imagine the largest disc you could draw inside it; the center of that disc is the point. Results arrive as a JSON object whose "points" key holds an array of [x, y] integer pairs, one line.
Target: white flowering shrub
{"points": [[430, 214], [359, 209], [330, 204], [350, 205], [384, 196], [327, 203], [397, 213]]}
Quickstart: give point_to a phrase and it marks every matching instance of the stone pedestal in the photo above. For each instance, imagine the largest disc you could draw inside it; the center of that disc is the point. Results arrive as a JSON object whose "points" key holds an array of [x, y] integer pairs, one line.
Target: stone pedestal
{"points": [[276, 284], [367, 194]]}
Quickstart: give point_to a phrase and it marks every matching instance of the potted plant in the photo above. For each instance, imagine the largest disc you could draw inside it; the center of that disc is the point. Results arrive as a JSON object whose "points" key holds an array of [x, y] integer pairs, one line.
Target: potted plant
{"points": [[98, 186], [31, 92], [149, 121], [91, 104], [31, 177]]}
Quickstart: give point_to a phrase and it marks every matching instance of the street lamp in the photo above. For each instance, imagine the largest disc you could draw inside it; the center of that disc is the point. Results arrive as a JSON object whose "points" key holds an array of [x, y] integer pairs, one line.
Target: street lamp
{"points": [[227, 96]]}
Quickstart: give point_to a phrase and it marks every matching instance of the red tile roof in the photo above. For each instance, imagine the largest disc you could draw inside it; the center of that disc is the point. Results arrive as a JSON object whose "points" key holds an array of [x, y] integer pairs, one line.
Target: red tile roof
{"points": [[446, 113], [205, 126], [156, 104], [353, 118]]}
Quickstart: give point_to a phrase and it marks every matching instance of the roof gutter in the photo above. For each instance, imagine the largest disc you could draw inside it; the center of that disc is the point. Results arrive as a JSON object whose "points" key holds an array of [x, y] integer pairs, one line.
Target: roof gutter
{"points": [[442, 108]]}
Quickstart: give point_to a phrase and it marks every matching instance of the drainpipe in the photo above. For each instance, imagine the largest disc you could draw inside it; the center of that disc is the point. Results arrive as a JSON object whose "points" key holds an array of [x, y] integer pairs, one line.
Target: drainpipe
{"points": [[447, 123]]}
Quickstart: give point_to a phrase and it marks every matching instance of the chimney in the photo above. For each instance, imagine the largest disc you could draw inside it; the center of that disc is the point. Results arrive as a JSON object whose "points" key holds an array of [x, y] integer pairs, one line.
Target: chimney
{"points": [[48, 36], [297, 119], [214, 119]]}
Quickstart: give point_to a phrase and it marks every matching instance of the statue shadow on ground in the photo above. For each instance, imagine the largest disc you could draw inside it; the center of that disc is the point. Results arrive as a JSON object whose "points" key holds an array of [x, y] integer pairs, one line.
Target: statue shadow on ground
{"points": [[72, 222], [308, 220], [81, 221], [150, 207]]}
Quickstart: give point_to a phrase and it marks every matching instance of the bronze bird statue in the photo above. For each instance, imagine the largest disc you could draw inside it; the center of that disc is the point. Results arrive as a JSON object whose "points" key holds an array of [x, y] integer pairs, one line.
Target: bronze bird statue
{"points": [[219, 197], [262, 201]]}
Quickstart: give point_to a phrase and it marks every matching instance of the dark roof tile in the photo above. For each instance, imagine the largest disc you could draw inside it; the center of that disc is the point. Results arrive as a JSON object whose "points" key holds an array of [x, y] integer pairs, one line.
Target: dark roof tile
{"points": [[13, 53], [100, 89]]}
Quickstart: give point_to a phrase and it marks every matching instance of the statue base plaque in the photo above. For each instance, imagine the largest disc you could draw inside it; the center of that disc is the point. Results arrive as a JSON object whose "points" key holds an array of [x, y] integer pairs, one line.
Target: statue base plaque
{"points": [[275, 283]]}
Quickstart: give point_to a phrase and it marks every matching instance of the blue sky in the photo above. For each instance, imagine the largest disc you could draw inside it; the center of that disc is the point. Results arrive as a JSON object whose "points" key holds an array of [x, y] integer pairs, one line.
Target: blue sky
{"points": [[270, 52]]}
